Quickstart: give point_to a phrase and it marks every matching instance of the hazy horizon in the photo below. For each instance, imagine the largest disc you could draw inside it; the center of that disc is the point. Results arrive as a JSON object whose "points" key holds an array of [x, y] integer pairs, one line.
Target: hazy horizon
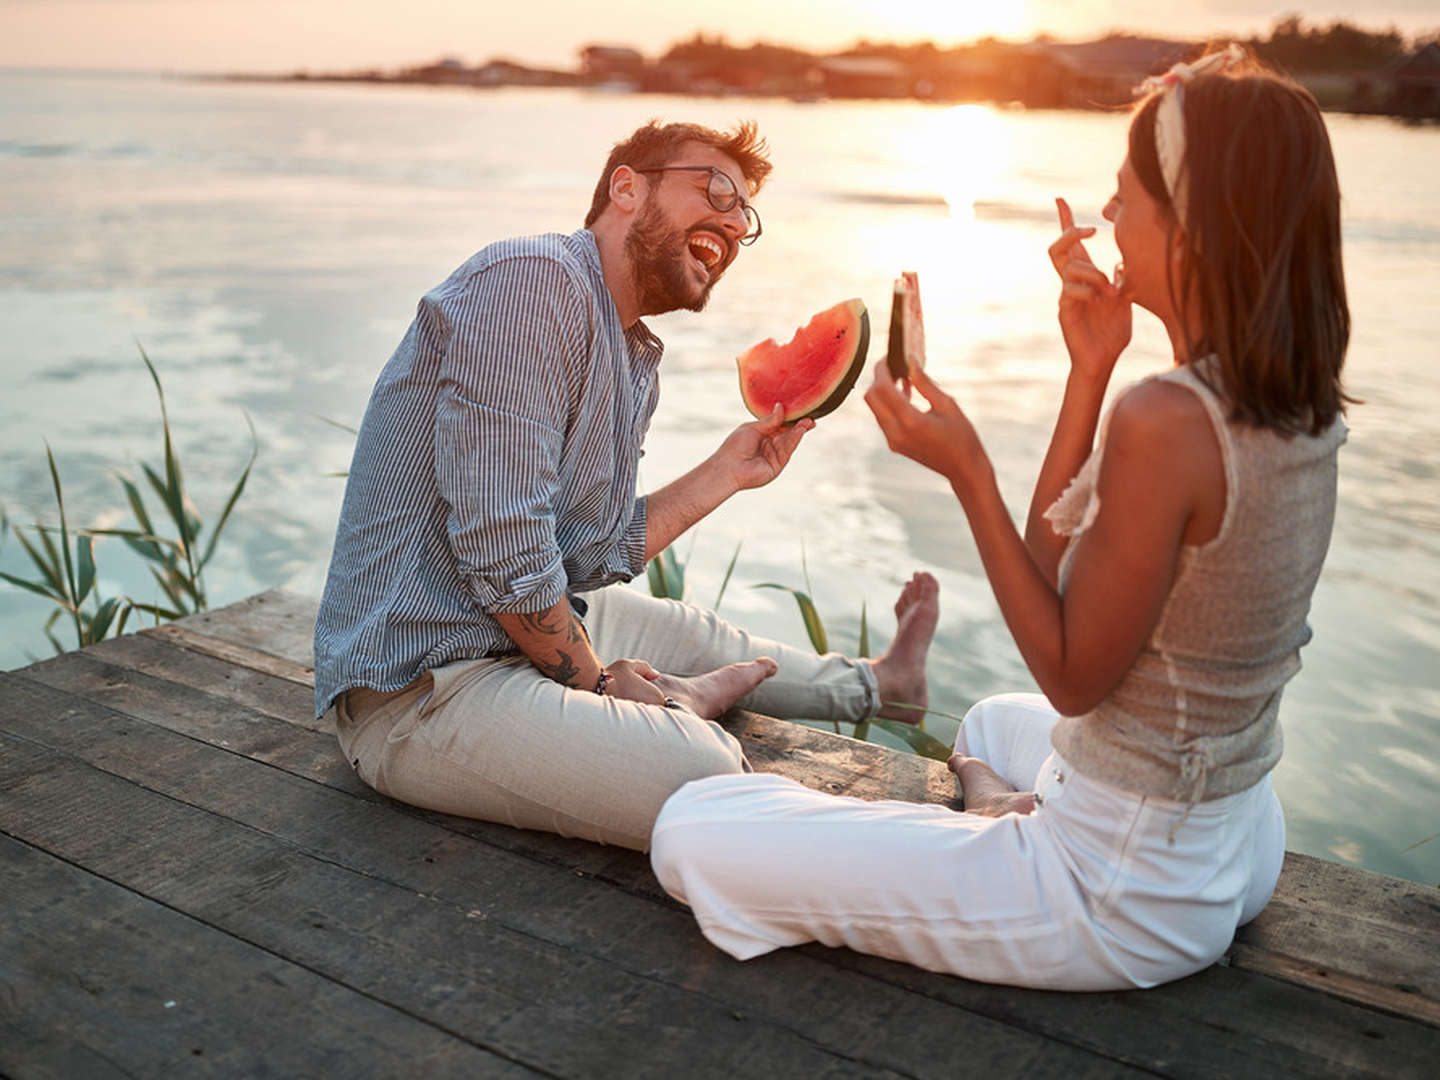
{"points": [[274, 36]]}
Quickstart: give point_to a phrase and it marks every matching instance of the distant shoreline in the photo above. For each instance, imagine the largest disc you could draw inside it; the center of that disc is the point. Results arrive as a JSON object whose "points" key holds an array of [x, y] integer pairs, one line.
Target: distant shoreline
{"points": [[1348, 69]]}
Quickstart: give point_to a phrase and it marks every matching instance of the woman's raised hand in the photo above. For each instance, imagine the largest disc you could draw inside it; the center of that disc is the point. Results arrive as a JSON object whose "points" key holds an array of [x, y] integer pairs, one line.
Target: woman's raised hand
{"points": [[940, 437], [1094, 311]]}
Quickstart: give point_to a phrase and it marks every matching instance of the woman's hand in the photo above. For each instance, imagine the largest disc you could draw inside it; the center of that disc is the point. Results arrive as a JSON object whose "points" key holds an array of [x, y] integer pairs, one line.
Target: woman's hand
{"points": [[940, 438], [1095, 313], [756, 453]]}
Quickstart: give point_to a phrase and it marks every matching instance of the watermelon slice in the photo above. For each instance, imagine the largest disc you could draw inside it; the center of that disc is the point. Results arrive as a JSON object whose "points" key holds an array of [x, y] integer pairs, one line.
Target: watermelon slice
{"points": [[812, 374], [907, 327]]}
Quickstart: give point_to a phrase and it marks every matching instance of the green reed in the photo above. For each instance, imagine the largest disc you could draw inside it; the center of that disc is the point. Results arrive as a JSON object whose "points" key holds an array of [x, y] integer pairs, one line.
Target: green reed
{"points": [[176, 551]]}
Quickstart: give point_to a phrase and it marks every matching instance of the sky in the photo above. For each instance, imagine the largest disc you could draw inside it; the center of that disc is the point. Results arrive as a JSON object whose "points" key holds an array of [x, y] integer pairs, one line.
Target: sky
{"points": [[265, 36]]}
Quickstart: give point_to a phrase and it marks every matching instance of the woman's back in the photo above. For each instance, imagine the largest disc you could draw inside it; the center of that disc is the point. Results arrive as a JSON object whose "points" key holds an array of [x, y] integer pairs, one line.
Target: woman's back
{"points": [[1196, 717]]}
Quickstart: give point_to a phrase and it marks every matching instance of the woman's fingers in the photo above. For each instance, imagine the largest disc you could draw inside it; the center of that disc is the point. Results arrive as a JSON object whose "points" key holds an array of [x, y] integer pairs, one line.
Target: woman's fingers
{"points": [[1068, 247], [1067, 219], [1084, 272], [931, 392]]}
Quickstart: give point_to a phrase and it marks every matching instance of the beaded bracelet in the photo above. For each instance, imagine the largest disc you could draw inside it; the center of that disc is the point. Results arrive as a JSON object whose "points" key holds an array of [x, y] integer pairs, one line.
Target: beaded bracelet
{"points": [[602, 682]]}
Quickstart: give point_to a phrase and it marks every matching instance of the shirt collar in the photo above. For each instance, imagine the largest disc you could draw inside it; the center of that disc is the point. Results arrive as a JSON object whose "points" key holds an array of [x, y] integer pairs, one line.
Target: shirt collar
{"points": [[642, 343]]}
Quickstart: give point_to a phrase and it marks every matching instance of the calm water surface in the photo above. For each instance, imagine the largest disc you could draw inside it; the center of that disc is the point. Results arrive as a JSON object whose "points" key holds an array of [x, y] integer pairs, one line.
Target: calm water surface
{"points": [[267, 245]]}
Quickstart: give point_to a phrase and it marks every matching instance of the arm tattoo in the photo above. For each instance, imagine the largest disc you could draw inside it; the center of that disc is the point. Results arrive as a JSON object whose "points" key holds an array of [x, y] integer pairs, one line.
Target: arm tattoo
{"points": [[563, 670], [542, 622]]}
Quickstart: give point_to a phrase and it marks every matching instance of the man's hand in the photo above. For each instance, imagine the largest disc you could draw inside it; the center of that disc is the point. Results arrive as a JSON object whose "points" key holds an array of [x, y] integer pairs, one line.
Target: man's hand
{"points": [[756, 453], [751, 456], [634, 680]]}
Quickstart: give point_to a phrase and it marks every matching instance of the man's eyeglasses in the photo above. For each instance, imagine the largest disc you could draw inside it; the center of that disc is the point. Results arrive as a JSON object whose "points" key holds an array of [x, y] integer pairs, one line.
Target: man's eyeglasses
{"points": [[720, 191]]}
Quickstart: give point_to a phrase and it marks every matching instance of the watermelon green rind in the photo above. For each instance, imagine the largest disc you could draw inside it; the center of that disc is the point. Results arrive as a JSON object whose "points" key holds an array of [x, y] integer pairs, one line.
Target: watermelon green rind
{"points": [[846, 384], [813, 373]]}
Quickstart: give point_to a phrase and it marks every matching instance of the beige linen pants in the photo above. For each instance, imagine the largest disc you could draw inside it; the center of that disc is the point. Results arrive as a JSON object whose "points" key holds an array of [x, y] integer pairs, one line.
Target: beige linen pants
{"points": [[495, 739]]}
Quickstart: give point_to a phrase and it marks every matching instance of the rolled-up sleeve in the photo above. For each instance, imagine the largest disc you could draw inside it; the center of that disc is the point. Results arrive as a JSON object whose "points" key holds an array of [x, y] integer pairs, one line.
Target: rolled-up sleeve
{"points": [[631, 547], [514, 335]]}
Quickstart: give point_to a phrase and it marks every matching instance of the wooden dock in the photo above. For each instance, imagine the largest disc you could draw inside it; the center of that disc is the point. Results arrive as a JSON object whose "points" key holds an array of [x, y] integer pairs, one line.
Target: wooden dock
{"points": [[192, 882]]}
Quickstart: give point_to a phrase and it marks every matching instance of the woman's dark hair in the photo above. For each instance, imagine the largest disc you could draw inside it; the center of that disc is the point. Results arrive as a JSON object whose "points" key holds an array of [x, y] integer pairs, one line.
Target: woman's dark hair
{"points": [[658, 144], [1262, 242]]}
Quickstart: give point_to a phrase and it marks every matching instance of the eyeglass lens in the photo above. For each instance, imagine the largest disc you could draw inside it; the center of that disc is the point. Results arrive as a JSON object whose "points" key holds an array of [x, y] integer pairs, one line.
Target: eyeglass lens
{"points": [[723, 197]]}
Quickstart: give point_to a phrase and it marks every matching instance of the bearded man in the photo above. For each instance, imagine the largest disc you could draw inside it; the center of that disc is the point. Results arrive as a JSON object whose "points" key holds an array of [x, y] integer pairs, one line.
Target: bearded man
{"points": [[474, 648]]}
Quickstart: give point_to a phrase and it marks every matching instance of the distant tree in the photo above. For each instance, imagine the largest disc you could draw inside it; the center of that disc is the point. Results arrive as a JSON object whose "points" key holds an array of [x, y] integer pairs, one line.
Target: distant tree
{"points": [[1429, 37], [1294, 46]]}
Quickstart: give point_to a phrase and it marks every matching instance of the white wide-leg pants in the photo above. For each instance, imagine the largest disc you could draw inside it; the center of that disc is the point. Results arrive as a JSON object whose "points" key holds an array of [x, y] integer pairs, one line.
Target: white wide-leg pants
{"points": [[497, 740], [1097, 889]]}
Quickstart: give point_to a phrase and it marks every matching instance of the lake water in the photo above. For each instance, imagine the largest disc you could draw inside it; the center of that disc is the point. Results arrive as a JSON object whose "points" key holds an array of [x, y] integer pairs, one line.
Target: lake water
{"points": [[267, 244]]}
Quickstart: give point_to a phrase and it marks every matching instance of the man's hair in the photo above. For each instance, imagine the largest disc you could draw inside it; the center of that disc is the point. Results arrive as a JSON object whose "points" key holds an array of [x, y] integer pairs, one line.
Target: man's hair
{"points": [[1262, 240], [658, 144]]}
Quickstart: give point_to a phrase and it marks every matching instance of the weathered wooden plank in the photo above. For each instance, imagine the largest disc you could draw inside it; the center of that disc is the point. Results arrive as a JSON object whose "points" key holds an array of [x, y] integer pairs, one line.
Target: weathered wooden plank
{"points": [[441, 945], [1220, 1023], [839, 765], [277, 623], [98, 981], [1365, 936], [245, 656], [1308, 934]]}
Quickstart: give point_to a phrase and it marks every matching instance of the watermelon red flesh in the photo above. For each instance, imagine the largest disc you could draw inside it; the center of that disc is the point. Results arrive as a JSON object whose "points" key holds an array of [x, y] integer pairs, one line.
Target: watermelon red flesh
{"points": [[813, 373]]}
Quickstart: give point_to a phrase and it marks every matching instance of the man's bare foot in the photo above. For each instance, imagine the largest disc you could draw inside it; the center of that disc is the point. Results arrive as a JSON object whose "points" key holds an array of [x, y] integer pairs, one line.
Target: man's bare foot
{"points": [[986, 792], [900, 673], [711, 694]]}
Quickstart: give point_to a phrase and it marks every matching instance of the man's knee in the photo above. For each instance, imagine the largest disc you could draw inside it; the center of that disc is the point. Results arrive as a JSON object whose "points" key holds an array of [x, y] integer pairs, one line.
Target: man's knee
{"points": [[715, 753]]}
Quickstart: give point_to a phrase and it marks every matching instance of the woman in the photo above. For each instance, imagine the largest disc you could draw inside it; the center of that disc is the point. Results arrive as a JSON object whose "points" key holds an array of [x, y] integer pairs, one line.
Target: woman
{"points": [[1120, 827]]}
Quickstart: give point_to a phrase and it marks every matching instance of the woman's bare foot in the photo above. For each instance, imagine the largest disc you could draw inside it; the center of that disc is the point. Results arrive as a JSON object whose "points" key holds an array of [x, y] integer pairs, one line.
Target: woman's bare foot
{"points": [[711, 694], [900, 673], [986, 792]]}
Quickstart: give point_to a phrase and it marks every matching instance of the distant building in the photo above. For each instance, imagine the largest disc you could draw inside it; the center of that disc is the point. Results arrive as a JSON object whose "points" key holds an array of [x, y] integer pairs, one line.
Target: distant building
{"points": [[862, 77], [1416, 86], [1106, 72], [602, 62]]}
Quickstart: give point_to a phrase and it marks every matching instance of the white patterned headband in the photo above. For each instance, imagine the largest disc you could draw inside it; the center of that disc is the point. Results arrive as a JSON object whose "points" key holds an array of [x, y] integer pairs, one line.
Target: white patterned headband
{"points": [[1170, 119]]}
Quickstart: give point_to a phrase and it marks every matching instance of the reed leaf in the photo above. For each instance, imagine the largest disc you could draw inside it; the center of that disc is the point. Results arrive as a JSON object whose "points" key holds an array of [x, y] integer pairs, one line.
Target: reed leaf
{"points": [[923, 710], [50, 634], [148, 540], [163, 580], [156, 610], [137, 504], [814, 627], [862, 729], [666, 574], [921, 742], [49, 565], [234, 495], [73, 593], [728, 571], [104, 615], [336, 424], [32, 586], [85, 561], [64, 528]]}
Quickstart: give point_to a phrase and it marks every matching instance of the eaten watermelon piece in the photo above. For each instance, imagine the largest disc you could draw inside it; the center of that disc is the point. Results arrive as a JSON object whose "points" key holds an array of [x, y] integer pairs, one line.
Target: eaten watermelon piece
{"points": [[813, 373], [907, 327]]}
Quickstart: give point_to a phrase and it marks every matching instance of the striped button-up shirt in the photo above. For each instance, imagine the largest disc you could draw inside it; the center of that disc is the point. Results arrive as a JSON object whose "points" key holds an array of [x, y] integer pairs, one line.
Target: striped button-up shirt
{"points": [[495, 468]]}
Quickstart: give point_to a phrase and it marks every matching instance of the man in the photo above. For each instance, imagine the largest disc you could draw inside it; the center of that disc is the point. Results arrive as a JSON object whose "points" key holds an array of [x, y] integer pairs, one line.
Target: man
{"points": [[493, 484]]}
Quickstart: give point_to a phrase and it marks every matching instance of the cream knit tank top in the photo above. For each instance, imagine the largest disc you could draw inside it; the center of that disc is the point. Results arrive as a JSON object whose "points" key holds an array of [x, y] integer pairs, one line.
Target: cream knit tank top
{"points": [[1196, 717]]}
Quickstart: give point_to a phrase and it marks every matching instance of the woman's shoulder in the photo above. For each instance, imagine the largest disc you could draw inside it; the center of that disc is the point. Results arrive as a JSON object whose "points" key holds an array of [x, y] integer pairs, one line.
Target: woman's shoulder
{"points": [[1164, 438], [1160, 411]]}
